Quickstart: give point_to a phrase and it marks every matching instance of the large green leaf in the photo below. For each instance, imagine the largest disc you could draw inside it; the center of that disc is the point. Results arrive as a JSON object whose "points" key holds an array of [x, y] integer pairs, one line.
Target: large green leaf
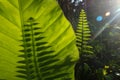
{"points": [[56, 39]]}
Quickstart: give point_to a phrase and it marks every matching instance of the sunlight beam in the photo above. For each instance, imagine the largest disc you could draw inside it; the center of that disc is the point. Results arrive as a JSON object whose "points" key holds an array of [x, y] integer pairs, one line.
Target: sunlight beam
{"points": [[105, 26]]}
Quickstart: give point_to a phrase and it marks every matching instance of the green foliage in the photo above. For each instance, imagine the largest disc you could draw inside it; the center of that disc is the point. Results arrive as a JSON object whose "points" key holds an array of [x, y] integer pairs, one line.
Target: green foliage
{"points": [[106, 47], [83, 35], [88, 67], [36, 41]]}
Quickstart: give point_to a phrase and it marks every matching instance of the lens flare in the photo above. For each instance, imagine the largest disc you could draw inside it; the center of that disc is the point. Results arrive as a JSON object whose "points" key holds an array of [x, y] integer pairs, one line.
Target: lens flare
{"points": [[107, 14], [105, 26], [99, 18]]}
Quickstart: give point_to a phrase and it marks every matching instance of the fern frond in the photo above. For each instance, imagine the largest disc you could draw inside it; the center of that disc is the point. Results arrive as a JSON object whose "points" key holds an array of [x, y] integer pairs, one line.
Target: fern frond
{"points": [[33, 51], [83, 35], [83, 69]]}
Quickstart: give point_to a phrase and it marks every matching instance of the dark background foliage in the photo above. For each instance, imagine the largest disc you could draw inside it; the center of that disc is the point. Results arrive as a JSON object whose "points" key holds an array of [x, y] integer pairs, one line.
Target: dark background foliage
{"points": [[105, 34]]}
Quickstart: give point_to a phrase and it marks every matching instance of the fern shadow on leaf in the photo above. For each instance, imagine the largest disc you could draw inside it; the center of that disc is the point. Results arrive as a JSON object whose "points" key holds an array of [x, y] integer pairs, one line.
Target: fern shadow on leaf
{"points": [[39, 61], [35, 51]]}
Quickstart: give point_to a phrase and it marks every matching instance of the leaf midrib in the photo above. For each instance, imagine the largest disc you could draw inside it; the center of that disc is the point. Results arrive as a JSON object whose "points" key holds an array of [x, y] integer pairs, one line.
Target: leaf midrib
{"points": [[22, 28], [34, 54], [24, 43]]}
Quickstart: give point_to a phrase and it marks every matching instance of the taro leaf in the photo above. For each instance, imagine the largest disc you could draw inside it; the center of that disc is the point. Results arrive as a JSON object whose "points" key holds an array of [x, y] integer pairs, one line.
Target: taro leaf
{"points": [[55, 52]]}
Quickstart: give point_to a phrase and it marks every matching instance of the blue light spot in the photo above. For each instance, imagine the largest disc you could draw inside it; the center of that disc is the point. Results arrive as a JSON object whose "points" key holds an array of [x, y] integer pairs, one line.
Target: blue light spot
{"points": [[99, 18]]}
